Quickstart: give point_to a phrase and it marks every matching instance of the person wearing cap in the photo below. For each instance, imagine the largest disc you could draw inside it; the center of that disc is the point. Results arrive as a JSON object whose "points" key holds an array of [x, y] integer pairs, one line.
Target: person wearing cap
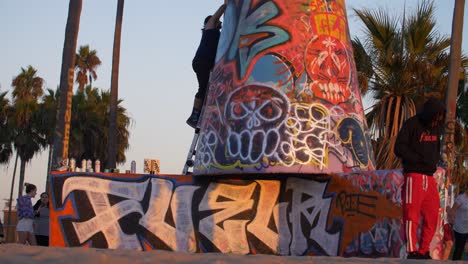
{"points": [[204, 60], [418, 147]]}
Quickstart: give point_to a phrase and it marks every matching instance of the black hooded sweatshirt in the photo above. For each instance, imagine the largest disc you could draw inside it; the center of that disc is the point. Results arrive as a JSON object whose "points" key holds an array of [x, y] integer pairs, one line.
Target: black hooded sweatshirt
{"points": [[418, 143]]}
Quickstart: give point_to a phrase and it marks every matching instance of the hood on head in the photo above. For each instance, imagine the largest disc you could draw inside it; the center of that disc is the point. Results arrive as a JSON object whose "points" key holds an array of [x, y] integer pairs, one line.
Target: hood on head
{"points": [[431, 109]]}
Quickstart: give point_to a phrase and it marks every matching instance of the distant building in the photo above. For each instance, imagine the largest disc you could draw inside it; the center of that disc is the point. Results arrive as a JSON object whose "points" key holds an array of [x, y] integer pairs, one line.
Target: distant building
{"points": [[151, 166], [9, 229]]}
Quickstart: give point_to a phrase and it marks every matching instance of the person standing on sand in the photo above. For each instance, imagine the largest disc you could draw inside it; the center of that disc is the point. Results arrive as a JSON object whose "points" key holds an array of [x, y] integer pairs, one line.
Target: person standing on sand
{"points": [[41, 220], [1, 232], [458, 216], [25, 226], [418, 146]]}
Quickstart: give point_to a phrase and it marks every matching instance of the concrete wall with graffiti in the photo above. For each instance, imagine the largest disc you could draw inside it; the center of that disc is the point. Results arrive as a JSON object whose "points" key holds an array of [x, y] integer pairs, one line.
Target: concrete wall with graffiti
{"points": [[355, 214], [283, 94]]}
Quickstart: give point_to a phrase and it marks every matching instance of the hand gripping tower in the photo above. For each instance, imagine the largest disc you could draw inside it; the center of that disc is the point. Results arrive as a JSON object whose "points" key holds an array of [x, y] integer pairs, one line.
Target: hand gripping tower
{"points": [[284, 95]]}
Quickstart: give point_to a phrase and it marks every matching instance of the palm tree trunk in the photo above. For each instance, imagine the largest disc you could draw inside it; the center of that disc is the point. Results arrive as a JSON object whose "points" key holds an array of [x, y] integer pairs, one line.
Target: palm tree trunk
{"points": [[452, 90], [21, 178], [112, 143], [8, 224], [90, 81], [49, 166], [62, 128]]}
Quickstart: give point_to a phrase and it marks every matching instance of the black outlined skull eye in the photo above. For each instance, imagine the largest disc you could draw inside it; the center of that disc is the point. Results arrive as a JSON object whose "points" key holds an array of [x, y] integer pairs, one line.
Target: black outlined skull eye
{"points": [[238, 110], [270, 110]]}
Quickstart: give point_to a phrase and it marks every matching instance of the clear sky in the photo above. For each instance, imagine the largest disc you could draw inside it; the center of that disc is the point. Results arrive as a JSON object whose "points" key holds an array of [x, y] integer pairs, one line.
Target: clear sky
{"points": [[157, 84]]}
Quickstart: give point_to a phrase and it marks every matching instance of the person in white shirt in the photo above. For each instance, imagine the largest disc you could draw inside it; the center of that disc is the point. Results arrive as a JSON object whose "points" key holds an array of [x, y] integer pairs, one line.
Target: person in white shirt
{"points": [[459, 217]]}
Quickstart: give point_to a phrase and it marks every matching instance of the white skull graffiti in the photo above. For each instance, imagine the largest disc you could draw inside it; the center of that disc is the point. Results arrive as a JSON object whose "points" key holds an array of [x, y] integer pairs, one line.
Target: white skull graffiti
{"points": [[255, 114]]}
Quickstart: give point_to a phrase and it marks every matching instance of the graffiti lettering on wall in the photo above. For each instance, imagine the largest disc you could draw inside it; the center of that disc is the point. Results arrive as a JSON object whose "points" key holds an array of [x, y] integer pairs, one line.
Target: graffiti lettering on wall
{"points": [[283, 94], [384, 239], [254, 35], [284, 216], [356, 204]]}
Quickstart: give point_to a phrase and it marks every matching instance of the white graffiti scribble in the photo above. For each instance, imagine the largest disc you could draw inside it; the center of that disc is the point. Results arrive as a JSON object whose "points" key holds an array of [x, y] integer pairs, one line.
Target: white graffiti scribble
{"points": [[206, 146], [308, 130]]}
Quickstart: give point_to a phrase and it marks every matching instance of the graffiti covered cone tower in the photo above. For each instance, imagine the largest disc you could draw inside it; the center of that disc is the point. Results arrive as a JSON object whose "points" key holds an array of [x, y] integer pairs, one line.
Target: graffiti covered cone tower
{"points": [[284, 96]]}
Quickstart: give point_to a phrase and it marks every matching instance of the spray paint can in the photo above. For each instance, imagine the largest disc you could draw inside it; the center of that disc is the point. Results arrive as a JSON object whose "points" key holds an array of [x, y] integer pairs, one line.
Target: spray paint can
{"points": [[89, 165], [133, 166], [97, 165], [72, 164]]}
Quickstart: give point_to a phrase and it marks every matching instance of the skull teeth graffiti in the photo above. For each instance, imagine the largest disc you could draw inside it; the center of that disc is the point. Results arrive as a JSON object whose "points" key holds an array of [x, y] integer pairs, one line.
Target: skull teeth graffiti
{"points": [[329, 69], [332, 91], [251, 146]]}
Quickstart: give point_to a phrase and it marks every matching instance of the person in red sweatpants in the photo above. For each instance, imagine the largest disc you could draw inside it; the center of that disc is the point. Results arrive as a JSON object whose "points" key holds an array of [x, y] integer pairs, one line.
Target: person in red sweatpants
{"points": [[418, 146]]}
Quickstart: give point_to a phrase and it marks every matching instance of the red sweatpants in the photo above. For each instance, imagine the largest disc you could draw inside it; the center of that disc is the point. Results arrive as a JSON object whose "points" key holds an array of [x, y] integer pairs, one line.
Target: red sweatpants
{"points": [[420, 198]]}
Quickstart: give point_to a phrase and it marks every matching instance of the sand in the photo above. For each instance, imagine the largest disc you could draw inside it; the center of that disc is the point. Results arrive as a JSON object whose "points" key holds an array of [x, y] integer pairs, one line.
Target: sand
{"points": [[14, 253]]}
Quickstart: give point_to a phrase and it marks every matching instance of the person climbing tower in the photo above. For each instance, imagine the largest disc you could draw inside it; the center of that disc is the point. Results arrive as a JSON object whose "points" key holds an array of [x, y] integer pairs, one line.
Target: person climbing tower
{"points": [[204, 60]]}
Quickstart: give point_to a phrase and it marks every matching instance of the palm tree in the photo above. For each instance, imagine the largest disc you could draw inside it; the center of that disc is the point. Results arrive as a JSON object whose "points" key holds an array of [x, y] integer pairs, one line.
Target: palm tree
{"points": [[408, 64], [47, 117], [122, 127], [452, 91], [27, 140], [112, 145], [62, 129], [89, 123], [86, 64], [6, 145], [6, 148], [88, 134]]}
